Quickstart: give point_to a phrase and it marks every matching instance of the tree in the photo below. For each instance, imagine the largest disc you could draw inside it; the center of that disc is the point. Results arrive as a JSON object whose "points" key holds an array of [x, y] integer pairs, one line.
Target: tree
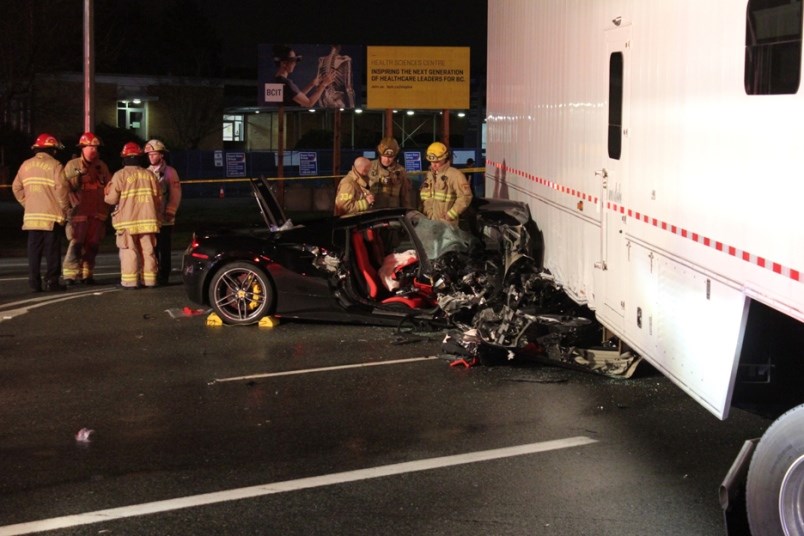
{"points": [[33, 39], [195, 112]]}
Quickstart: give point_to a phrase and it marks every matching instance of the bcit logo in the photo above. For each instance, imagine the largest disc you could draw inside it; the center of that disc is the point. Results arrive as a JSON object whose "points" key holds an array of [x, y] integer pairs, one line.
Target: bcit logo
{"points": [[273, 92]]}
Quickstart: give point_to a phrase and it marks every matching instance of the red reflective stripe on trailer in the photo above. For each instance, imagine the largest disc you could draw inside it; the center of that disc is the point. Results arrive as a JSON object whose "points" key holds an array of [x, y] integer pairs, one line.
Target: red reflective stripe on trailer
{"points": [[733, 251]]}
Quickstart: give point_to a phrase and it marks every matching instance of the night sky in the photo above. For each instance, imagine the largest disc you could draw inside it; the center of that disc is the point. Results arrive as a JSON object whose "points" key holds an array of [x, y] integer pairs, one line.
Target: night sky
{"points": [[245, 24]]}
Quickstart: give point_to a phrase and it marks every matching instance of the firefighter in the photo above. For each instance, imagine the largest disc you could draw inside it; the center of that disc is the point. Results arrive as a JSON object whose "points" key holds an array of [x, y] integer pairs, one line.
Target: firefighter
{"points": [[353, 194], [41, 188], [137, 197], [168, 179], [445, 193], [388, 180], [87, 176]]}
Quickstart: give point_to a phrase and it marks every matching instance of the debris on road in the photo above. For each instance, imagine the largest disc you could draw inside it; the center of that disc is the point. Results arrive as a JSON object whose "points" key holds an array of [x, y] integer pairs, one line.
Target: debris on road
{"points": [[184, 312], [83, 435]]}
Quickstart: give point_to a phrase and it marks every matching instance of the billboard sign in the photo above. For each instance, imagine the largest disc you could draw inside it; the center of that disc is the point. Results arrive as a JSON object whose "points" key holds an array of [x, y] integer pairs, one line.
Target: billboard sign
{"points": [[310, 76], [417, 77]]}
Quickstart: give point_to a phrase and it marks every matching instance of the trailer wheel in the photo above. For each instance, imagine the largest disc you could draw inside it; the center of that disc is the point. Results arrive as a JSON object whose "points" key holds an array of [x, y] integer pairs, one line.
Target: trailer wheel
{"points": [[775, 487]]}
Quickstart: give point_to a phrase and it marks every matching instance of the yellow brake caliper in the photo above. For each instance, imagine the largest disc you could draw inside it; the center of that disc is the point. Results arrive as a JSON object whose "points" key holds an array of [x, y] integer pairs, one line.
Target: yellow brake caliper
{"points": [[256, 291]]}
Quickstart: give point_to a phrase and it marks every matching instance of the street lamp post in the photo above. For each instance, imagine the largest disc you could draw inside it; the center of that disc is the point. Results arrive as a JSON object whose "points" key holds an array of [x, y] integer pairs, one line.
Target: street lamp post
{"points": [[89, 66]]}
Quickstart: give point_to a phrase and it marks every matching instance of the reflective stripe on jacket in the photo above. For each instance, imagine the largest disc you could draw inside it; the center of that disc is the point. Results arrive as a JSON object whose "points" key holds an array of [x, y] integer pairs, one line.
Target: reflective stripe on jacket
{"points": [[41, 188], [135, 192], [390, 185], [445, 195], [351, 195], [88, 188]]}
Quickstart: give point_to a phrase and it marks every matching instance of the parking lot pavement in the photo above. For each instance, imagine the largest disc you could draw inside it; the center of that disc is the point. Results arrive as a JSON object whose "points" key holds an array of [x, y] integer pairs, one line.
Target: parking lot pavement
{"points": [[312, 428], [14, 275]]}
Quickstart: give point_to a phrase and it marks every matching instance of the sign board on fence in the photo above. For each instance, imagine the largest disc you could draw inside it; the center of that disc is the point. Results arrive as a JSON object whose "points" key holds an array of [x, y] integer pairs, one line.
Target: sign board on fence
{"points": [[308, 163], [413, 161], [235, 164], [218, 158]]}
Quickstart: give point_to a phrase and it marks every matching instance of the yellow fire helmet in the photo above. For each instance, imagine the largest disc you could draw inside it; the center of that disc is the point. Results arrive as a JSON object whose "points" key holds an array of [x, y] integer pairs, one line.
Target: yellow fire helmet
{"points": [[437, 152]]}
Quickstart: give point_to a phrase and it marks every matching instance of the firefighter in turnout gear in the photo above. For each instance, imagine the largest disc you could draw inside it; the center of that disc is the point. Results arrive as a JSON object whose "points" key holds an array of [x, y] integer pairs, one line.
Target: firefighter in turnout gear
{"points": [[41, 188], [168, 179], [137, 197], [445, 193], [353, 195], [388, 180], [87, 176]]}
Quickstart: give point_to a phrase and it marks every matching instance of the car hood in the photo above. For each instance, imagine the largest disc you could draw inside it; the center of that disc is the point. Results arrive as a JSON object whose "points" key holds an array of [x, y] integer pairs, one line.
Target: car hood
{"points": [[271, 210]]}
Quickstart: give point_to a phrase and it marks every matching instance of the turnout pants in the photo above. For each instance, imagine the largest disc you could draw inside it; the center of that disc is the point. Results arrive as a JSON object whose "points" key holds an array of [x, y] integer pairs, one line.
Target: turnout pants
{"points": [[44, 244], [138, 262], [163, 248], [84, 241]]}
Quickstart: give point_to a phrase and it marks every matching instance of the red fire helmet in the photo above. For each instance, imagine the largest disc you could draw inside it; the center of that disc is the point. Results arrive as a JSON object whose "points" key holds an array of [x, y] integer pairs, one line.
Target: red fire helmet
{"points": [[46, 141], [88, 139], [131, 149]]}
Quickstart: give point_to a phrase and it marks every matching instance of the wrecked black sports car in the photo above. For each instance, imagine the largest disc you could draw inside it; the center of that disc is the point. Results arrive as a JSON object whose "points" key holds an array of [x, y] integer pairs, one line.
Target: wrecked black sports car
{"points": [[376, 267], [388, 267]]}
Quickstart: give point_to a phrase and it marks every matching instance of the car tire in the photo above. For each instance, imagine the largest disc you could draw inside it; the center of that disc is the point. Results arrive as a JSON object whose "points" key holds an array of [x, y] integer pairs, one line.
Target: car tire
{"points": [[241, 293]]}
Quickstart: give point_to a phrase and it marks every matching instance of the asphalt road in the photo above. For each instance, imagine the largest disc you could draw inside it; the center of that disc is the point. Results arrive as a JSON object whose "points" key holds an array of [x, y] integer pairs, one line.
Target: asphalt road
{"points": [[326, 429]]}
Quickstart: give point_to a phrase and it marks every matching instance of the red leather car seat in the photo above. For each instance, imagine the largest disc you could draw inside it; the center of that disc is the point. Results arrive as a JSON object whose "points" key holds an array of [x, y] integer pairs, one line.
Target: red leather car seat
{"points": [[368, 273], [365, 269]]}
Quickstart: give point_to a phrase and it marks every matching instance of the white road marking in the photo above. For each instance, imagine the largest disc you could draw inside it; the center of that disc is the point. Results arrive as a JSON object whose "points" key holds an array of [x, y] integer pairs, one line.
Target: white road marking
{"points": [[40, 301], [134, 510], [321, 369]]}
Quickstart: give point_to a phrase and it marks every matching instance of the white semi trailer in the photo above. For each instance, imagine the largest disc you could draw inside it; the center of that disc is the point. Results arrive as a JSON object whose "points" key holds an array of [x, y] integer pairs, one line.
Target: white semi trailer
{"points": [[660, 145]]}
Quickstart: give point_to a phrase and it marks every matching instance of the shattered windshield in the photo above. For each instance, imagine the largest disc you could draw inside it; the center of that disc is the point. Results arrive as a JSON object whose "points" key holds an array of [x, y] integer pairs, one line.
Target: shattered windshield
{"points": [[439, 237]]}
